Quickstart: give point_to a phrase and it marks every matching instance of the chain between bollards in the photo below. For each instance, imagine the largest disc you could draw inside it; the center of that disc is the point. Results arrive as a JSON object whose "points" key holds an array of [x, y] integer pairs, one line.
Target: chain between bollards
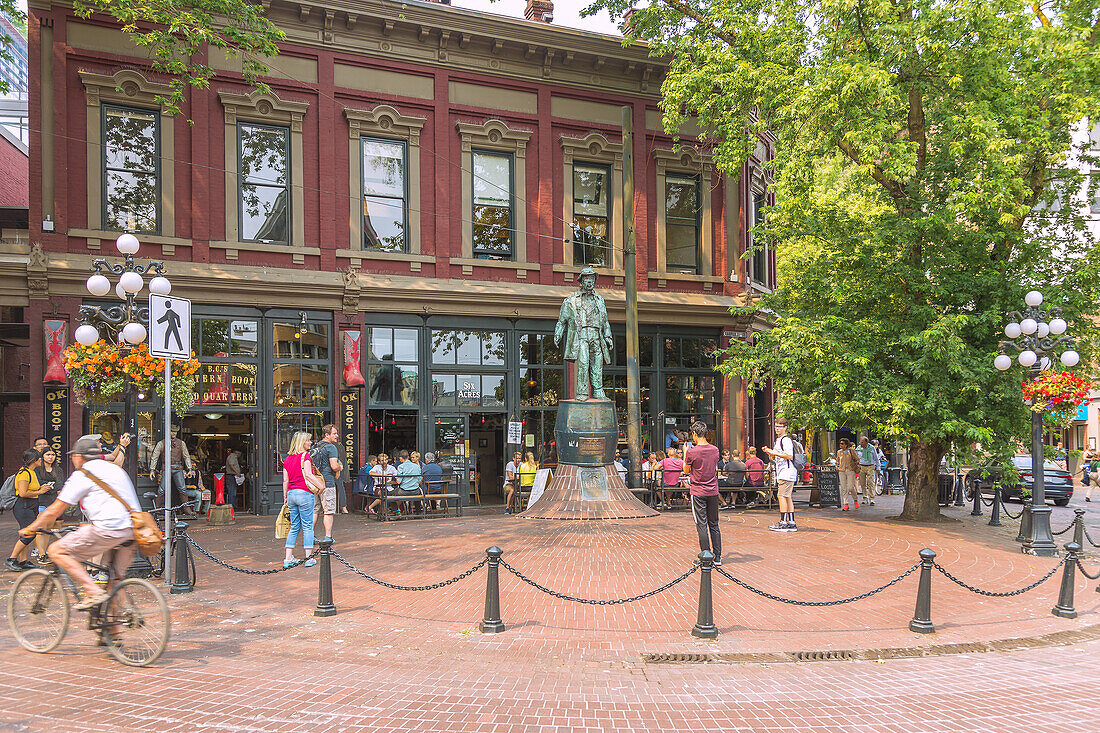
{"points": [[491, 622], [181, 576], [704, 626], [995, 512], [1064, 608], [325, 606], [922, 616]]}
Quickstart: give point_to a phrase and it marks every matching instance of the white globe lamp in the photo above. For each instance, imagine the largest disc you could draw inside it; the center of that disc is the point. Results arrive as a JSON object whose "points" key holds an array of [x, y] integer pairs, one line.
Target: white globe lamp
{"points": [[1044, 329], [1034, 299], [160, 285], [98, 285], [1029, 326], [1058, 326], [131, 282], [1002, 362], [127, 244], [1070, 358], [86, 335], [1012, 330], [1027, 358], [119, 291], [133, 333]]}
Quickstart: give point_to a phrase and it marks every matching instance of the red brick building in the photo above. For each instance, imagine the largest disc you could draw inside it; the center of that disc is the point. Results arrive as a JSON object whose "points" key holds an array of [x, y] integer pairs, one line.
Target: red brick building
{"points": [[431, 177]]}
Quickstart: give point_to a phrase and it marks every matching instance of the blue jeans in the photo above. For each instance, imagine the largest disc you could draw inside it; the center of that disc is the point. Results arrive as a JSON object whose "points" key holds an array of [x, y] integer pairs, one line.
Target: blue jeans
{"points": [[301, 505], [179, 483]]}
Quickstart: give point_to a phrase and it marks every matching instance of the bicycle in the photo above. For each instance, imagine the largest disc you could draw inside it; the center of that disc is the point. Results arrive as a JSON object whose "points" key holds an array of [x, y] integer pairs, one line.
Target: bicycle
{"points": [[158, 561], [133, 623]]}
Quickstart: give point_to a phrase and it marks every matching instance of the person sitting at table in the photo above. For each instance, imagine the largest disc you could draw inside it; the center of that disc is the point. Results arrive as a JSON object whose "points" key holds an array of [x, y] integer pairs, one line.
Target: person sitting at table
{"points": [[526, 474], [733, 475], [431, 479], [408, 476], [672, 471], [510, 473], [381, 474], [754, 472]]}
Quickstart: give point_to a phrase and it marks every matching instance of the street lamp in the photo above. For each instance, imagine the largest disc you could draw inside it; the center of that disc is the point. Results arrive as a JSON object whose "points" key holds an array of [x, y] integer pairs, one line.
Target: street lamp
{"points": [[126, 321], [1037, 335]]}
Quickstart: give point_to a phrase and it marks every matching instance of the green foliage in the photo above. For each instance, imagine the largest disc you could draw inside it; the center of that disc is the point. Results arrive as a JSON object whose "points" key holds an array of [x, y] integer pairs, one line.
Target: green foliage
{"points": [[177, 34], [10, 10], [920, 147]]}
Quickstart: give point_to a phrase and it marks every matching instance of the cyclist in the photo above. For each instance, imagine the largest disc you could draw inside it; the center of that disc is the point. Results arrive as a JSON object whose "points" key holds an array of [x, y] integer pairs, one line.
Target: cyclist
{"points": [[109, 524]]}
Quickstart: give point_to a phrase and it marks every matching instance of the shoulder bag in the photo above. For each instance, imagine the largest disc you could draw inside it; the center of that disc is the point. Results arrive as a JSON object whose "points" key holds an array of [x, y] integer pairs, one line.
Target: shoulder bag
{"points": [[147, 534], [313, 477]]}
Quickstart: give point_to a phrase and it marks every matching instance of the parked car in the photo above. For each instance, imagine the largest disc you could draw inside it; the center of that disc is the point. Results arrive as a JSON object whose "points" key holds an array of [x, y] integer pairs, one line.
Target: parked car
{"points": [[1057, 484]]}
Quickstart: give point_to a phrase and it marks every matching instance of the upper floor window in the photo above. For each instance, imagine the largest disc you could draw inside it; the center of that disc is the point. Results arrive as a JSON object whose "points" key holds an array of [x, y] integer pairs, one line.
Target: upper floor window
{"points": [[263, 161], [492, 212], [385, 192], [758, 272], [682, 222], [592, 215], [131, 174]]}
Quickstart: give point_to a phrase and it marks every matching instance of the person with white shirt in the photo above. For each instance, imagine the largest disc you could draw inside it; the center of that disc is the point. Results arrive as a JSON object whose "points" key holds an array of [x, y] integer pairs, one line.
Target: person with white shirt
{"points": [[511, 475], [381, 474], [785, 476], [109, 525]]}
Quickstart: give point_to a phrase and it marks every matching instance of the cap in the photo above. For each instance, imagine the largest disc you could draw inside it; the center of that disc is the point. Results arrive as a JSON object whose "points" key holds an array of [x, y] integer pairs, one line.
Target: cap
{"points": [[87, 446], [587, 271]]}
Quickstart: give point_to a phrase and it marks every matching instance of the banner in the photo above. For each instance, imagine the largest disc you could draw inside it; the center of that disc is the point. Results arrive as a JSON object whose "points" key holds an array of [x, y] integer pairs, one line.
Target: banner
{"points": [[349, 430], [56, 333], [57, 419]]}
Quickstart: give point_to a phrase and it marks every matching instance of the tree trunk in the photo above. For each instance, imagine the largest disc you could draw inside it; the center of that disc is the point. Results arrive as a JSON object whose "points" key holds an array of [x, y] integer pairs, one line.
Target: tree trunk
{"points": [[922, 492]]}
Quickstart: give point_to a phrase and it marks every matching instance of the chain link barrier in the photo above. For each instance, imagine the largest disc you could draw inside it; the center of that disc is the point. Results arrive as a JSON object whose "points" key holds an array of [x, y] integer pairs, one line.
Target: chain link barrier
{"points": [[1063, 531], [1085, 532], [837, 602], [1010, 515], [1005, 594], [597, 601], [984, 502], [395, 586], [247, 571], [1086, 573]]}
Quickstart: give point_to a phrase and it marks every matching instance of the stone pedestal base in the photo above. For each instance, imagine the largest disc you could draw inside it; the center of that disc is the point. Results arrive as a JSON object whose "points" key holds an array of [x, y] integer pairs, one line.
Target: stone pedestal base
{"points": [[581, 492], [220, 514]]}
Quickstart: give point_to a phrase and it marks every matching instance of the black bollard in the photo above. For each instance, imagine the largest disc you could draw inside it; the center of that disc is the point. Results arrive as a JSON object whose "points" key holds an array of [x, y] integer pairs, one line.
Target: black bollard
{"points": [[325, 606], [959, 494], [922, 617], [1079, 527], [1064, 609], [995, 513], [1025, 522], [491, 623], [181, 577], [704, 627], [977, 511]]}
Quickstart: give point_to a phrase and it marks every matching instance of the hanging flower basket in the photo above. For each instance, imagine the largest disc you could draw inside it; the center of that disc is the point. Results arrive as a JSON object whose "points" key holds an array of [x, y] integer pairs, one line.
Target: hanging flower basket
{"points": [[1057, 394], [98, 373]]}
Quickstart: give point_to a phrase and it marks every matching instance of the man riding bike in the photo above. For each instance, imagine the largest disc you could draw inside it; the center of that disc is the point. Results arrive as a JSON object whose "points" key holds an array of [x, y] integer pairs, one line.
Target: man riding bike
{"points": [[109, 526]]}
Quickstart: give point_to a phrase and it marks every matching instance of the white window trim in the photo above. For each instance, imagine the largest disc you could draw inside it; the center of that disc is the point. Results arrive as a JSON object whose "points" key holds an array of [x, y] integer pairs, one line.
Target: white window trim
{"points": [[692, 162], [596, 149]]}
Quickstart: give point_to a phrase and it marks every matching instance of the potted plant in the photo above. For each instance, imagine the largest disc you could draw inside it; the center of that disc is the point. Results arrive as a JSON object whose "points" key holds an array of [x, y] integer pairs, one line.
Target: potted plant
{"points": [[99, 372]]}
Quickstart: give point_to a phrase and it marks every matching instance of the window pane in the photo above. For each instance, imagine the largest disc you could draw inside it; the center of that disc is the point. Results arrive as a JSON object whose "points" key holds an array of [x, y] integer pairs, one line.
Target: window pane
{"points": [[242, 335], [529, 348], [492, 232], [264, 214], [381, 379], [315, 386], [691, 359], [130, 201], [406, 385], [467, 390], [284, 427], [443, 347], [469, 347], [552, 389], [404, 343], [672, 353], [286, 343], [384, 224], [681, 198], [244, 384], [315, 341], [492, 348], [443, 390], [130, 140], [214, 384], [551, 352], [492, 179], [590, 191], [492, 390], [674, 396], [707, 347], [680, 246], [287, 385], [645, 349], [379, 344], [383, 168], [263, 155], [214, 337], [529, 387]]}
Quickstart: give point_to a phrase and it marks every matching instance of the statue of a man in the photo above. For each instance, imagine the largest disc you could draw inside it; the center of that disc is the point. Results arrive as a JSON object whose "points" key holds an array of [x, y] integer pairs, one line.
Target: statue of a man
{"points": [[583, 321]]}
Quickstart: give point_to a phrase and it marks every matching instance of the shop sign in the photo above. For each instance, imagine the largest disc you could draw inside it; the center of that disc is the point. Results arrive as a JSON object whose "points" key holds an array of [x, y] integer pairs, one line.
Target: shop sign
{"points": [[515, 433], [57, 418], [349, 429], [469, 391]]}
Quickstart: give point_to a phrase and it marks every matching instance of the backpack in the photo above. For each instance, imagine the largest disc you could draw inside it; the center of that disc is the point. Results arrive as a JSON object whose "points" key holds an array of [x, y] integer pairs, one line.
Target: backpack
{"points": [[798, 455], [7, 493]]}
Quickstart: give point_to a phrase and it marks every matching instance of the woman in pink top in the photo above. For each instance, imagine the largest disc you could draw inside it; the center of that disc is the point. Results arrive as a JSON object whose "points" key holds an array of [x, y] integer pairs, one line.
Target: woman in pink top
{"points": [[672, 468], [297, 479], [755, 467]]}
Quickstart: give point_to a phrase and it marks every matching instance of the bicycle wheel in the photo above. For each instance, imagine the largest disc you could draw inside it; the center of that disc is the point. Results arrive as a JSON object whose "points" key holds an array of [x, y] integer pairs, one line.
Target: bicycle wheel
{"points": [[136, 622], [38, 611]]}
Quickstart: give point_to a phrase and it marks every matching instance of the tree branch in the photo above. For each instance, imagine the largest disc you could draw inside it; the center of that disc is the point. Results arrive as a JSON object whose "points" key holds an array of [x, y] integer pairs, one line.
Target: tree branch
{"points": [[892, 187], [687, 11]]}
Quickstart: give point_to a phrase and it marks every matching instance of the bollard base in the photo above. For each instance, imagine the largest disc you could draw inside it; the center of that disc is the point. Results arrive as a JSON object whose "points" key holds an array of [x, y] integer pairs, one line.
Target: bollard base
{"points": [[177, 589], [708, 631], [1063, 612], [491, 627], [324, 611], [922, 627]]}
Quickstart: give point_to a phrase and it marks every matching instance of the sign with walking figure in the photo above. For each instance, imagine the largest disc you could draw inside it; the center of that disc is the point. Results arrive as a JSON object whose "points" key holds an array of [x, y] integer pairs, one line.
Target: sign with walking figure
{"points": [[169, 327]]}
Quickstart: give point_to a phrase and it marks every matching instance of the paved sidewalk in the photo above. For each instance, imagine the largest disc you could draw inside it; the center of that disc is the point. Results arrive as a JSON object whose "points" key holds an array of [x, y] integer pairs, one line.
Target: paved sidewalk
{"points": [[247, 654]]}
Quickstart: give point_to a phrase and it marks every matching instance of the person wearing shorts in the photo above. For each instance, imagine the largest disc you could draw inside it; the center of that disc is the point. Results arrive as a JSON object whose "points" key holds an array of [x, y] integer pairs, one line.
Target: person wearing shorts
{"points": [[326, 456], [785, 476], [109, 526], [702, 466]]}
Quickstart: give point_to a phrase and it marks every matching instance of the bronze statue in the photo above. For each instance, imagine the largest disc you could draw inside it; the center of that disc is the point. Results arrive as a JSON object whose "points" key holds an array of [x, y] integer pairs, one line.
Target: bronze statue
{"points": [[588, 341]]}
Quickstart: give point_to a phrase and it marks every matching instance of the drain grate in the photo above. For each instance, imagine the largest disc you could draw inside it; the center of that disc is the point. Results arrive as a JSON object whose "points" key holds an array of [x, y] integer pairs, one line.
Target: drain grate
{"points": [[1058, 638]]}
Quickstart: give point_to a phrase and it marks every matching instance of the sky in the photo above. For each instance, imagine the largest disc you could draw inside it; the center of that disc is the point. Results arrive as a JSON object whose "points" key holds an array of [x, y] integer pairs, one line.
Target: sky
{"points": [[567, 13]]}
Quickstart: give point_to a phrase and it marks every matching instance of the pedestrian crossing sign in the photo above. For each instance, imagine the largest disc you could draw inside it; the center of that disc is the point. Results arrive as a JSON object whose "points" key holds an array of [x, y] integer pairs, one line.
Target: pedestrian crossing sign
{"points": [[169, 327]]}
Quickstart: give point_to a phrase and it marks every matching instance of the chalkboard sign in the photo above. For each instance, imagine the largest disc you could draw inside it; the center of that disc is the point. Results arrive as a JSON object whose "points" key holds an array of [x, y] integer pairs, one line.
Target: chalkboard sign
{"points": [[828, 486]]}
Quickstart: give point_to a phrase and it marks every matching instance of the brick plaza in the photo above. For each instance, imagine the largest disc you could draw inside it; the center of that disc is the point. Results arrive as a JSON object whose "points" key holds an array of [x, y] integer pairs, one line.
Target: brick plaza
{"points": [[247, 653]]}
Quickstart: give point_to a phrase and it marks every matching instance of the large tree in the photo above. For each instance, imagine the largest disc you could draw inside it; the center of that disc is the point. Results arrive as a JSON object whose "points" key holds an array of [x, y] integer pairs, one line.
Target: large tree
{"points": [[923, 182]]}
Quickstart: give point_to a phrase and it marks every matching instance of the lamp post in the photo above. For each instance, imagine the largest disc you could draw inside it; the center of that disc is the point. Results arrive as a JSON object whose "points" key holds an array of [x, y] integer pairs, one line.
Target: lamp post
{"points": [[1037, 335], [125, 321]]}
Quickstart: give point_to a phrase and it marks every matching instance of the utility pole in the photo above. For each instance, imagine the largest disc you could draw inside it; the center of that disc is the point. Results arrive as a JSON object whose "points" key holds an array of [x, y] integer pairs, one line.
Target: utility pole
{"points": [[630, 264]]}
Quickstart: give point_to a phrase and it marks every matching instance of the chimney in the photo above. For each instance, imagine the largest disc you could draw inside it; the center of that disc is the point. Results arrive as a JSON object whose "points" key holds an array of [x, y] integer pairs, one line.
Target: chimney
{"points": [[540, 11], [628, 27]]}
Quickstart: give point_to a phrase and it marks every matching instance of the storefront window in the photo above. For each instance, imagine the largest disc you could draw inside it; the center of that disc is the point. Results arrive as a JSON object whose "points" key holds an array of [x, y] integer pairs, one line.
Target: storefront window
{"points": [[392, 373], [468, 390], [468, 348], [492, 390], [443, 390], [284, 426]]}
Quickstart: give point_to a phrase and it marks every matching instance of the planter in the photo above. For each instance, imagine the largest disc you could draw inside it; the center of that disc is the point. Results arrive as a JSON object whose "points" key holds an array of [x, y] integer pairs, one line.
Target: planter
{"points": [[87, 397]]}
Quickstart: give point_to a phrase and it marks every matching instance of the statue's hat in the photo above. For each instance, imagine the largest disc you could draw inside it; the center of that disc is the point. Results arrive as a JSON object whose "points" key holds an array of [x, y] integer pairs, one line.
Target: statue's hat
{"points": [[587, 271]]}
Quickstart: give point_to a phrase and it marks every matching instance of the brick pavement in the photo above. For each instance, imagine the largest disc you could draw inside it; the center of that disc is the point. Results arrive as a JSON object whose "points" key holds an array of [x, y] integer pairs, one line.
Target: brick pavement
{"points": [[247, 654]]}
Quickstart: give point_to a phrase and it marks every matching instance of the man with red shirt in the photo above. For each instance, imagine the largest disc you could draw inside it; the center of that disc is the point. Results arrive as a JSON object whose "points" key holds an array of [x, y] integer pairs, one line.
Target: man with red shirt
{"points": [[701, 463]]}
